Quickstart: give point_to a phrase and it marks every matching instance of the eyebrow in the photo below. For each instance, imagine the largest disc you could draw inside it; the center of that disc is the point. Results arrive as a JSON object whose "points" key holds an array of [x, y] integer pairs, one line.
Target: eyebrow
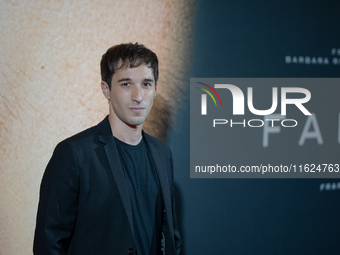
{"points": [[149, 80], [128, 79], [124, 79]]}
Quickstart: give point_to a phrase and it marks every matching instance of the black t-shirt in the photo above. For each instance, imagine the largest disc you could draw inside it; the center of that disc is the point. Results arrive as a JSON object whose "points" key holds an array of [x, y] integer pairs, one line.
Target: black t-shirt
{"points": [[144, 193]]}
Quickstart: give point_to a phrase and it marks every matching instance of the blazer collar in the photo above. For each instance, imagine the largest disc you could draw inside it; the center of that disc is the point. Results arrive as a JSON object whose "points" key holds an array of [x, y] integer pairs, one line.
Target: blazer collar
{"points": [[104, 130], [106, 137], [159, 160]]}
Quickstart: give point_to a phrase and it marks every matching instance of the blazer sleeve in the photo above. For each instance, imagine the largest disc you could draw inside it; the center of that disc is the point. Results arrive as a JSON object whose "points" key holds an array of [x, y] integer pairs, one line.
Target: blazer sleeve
{"points": [[58, 203], [177, 237]]}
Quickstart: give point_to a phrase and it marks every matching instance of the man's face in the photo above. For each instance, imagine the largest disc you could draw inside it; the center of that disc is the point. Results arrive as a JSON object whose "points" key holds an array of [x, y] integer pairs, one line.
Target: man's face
{"points": [[132, 93]]}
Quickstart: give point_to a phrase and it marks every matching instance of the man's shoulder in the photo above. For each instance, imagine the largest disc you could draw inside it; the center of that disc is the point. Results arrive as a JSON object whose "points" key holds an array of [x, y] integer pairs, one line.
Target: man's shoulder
{"points": [[83, 135], [158, 144], [89, 135], [154, 140]]}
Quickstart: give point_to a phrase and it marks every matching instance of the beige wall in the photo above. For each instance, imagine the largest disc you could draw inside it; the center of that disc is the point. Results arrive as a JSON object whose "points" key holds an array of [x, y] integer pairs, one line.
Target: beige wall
{"points": [[50, 85]]}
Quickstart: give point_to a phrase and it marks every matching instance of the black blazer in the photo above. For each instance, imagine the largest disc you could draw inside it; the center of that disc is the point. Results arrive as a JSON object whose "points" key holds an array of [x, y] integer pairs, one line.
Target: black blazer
{"points": [[84, 206]]}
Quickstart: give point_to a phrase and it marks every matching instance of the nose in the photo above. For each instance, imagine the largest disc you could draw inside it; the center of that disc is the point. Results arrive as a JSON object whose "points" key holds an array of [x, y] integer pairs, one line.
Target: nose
{"points": [[137, 94]]}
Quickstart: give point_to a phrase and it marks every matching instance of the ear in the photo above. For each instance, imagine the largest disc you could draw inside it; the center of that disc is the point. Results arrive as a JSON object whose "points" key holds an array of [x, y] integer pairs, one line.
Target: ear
{"points": [[155, 88], [106, 90]]}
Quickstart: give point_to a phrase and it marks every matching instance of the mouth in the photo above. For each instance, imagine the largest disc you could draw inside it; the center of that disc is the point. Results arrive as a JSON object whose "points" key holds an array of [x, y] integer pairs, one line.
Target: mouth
{"points": [[137, 109]]}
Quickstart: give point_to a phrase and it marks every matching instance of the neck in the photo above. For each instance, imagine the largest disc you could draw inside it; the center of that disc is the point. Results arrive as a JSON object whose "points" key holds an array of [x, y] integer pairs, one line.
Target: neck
{"points": [[126, 133]]}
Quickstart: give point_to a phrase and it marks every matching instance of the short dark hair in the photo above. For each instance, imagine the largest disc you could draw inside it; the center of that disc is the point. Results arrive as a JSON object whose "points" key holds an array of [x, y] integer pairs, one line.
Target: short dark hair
{"points": [[129, 55]]}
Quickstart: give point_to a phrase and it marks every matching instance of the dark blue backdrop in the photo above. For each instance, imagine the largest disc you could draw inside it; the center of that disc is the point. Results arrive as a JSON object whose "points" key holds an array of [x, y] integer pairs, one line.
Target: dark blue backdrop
{"points": [[257, 216]]}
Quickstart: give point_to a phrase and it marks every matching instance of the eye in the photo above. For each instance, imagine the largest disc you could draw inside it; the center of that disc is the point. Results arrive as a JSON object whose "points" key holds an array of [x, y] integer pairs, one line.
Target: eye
{"points": [[125, 84], [147, 84]]}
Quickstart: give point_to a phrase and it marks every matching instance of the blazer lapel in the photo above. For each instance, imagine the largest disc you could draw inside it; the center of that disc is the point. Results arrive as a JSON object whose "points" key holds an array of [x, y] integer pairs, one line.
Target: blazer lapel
{"points": [[106, 137], [163, 180]]}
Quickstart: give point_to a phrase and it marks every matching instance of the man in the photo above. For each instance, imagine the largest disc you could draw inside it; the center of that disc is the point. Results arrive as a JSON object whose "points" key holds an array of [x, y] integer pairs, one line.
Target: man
{"points": [[109, 189]]}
